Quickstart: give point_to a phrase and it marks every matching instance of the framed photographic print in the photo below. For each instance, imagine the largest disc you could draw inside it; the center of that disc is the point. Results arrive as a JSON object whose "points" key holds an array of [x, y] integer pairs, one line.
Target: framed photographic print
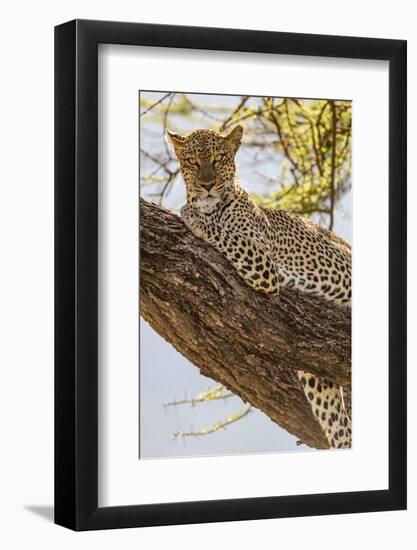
{"points": [[230, 275]]}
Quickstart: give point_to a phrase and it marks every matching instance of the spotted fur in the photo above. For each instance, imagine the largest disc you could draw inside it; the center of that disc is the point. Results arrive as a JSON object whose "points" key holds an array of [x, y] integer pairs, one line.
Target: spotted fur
{"points": [[327, 404], [269, 248]]}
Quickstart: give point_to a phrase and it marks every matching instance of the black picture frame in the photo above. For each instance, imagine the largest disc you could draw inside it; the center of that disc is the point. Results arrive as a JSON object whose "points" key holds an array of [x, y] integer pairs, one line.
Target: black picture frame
{"points": [[76, 272]]}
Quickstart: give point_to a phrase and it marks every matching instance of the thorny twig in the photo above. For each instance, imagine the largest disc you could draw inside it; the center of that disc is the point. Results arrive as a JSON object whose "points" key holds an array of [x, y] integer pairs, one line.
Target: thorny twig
{"points": [[220, 425]]}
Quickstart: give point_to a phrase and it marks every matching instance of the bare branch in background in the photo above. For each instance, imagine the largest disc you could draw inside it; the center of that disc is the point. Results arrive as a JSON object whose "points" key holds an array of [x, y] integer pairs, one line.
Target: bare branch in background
{"points": [[165, 125], [155, 104], [230, 118], [170, 175], [201, 110], [313, 135], [282, 139]]}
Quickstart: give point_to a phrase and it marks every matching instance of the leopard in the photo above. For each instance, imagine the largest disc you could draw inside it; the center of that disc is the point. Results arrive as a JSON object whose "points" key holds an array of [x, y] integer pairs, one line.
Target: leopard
{"points": [[269, 247]]}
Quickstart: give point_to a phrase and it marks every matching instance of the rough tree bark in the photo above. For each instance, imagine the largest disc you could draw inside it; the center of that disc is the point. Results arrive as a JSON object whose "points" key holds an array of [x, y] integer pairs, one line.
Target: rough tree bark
{"points": [[251, 342]]}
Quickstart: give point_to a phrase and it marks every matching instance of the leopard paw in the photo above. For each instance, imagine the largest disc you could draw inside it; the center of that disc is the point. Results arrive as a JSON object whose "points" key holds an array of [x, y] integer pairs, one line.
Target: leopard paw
{"points": [[192, 219]]}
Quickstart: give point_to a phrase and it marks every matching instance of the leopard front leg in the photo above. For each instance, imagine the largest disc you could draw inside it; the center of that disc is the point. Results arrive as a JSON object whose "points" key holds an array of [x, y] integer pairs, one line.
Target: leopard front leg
{"points": [[196, 221], [249, 256]]}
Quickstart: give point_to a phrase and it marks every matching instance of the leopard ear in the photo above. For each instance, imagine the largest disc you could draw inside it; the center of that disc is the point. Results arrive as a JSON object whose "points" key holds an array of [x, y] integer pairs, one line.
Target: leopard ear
{"points": [[176, 140], [234, 138]]}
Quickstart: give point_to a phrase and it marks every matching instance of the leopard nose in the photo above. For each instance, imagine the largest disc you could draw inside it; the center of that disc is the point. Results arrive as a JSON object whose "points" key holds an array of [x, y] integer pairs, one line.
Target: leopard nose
{"points": [[207, 175], [207, 184]]}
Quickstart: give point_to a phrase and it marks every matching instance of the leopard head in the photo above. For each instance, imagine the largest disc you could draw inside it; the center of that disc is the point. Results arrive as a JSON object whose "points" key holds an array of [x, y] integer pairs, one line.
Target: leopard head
{"points": [[207, 162]]}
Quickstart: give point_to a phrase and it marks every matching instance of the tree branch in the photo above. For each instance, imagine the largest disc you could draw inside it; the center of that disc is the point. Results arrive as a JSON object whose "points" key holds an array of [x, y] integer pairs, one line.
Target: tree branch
{"points": [[250, 342]]}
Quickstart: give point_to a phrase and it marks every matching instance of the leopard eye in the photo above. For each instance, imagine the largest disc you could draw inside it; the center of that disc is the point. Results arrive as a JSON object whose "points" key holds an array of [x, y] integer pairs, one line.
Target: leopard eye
{"points": [[218, 157], [191, 160]]}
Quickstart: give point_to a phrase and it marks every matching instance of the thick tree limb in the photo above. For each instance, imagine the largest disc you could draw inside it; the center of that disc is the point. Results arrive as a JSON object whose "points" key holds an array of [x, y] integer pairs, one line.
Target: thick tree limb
{"points": [[251, 342]]}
